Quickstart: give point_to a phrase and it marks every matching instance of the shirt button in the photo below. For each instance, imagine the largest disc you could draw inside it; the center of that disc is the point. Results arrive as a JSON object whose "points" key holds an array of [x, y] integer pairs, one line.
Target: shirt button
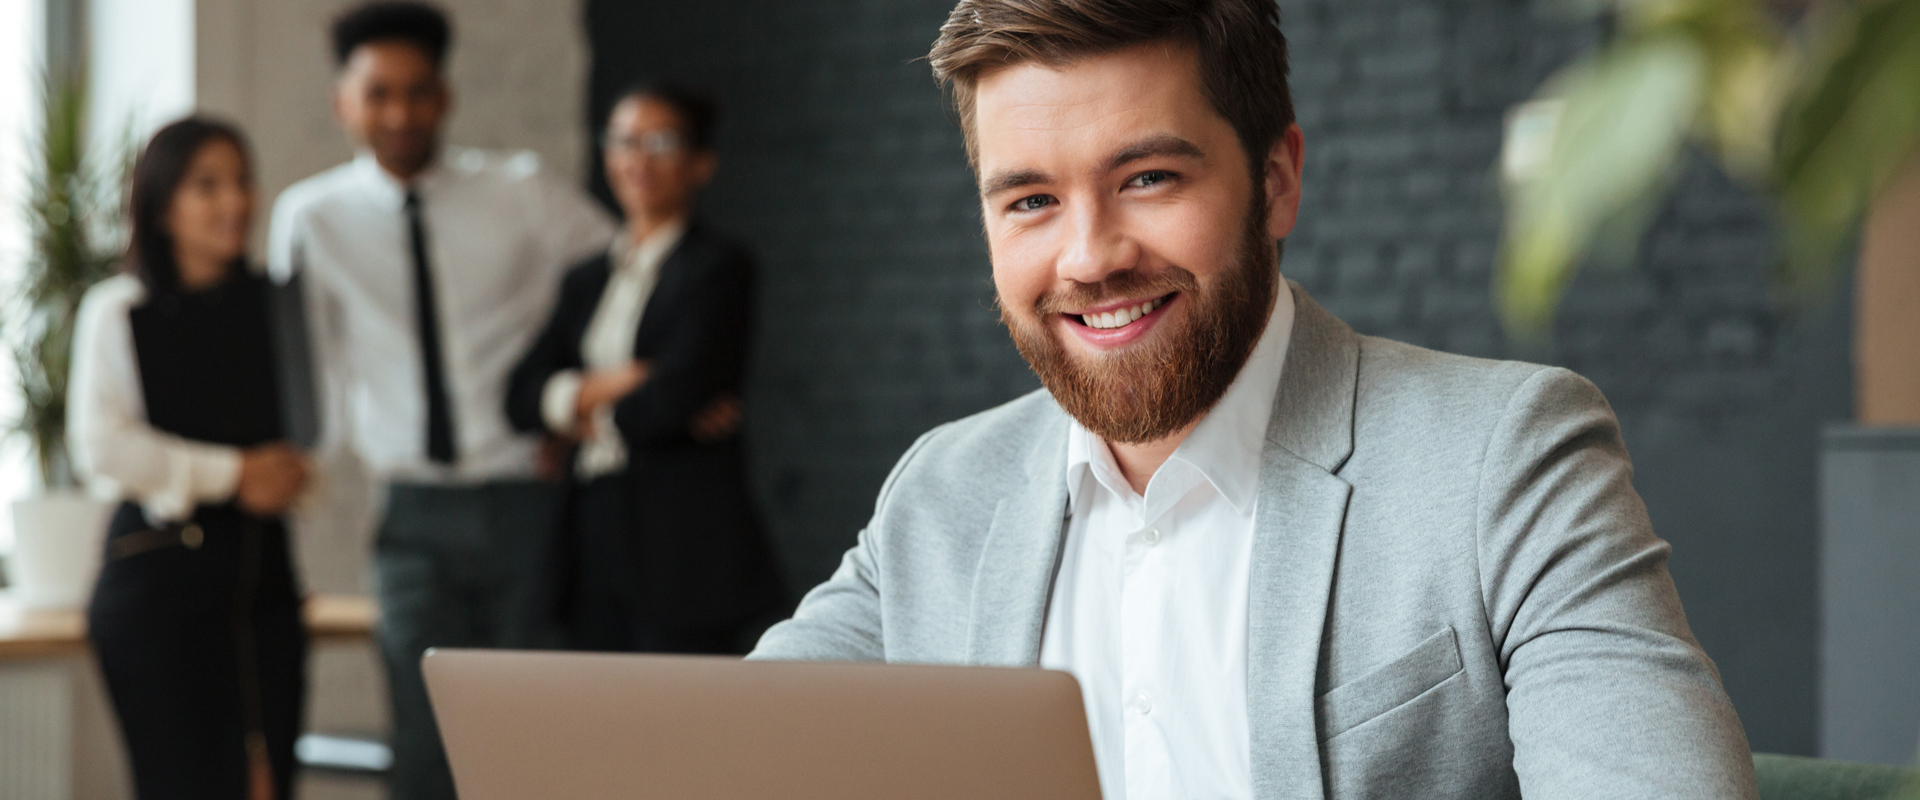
{"points": [[1142, 704], [1152, 536]]}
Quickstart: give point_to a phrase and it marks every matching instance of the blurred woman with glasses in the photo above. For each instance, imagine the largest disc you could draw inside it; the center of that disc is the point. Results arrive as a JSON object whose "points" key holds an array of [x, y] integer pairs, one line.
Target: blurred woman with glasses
{"points": [[175, 407], [638, 371]]}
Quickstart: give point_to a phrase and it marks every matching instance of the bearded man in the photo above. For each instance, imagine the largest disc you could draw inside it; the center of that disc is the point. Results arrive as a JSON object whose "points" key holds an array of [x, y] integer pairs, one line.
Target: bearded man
{"points": [[1284, 560]]}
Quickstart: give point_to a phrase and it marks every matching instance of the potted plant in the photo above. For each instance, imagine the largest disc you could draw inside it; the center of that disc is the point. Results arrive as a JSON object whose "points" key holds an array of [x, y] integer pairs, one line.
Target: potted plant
{"points": [[73, 208]]}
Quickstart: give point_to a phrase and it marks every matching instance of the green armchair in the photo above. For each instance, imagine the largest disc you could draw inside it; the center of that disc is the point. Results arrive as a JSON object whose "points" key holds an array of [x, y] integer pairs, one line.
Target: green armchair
{"points": [[1797, 778]]}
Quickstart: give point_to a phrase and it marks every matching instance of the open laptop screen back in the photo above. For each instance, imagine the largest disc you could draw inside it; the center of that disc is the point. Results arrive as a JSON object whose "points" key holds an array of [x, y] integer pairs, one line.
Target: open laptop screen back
{"points": [[578, 725]]}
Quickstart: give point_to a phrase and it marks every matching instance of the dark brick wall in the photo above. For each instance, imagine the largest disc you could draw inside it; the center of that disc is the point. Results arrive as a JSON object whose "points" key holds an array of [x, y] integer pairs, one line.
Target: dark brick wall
{"points": [[845, 171]]}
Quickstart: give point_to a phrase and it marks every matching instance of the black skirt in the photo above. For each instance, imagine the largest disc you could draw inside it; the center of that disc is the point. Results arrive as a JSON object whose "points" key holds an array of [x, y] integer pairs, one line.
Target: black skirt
{"points": [[198, 633]]}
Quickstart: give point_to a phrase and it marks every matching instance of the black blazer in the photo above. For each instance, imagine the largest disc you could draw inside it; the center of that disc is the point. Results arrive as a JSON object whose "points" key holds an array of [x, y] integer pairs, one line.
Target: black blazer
{"points": [[700, 558]]}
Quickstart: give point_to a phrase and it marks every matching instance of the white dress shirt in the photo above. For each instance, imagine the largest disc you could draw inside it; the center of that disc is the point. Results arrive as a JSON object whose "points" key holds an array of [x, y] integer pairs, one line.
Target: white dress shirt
{"points": [[499, 234], [115, 451], [1149, 610], [608, 344]]}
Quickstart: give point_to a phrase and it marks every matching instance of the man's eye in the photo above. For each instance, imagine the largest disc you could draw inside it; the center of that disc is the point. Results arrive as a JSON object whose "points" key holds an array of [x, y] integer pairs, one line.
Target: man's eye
{"points": [[1032, 202], [1151, 177]]}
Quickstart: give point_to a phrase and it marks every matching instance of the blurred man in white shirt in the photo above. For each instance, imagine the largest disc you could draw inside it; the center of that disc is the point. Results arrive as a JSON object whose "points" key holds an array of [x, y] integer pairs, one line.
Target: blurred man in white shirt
{"points": [[428, 269]]}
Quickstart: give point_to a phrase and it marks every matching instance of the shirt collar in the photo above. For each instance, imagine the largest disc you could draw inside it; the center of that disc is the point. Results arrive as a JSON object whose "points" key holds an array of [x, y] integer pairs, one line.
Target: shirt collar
{"points": [[624, 255], [1226, 446], [393, 190]]}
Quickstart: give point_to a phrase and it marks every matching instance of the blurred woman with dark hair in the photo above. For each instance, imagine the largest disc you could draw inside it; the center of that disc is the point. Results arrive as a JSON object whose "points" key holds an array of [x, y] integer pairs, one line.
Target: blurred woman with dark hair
{"points": [[174, 407], [639, 369]]}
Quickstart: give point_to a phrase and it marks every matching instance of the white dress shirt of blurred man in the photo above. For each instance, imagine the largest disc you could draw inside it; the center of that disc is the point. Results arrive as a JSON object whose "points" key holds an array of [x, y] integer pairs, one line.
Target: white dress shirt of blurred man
{"points": [[427, 269]]}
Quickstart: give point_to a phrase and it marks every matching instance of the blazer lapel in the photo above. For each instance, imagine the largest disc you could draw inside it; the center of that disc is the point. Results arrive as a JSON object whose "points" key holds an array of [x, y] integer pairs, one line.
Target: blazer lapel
{"points": [[676, 270], [1021, 558], [583, 305], [1297, 529]]}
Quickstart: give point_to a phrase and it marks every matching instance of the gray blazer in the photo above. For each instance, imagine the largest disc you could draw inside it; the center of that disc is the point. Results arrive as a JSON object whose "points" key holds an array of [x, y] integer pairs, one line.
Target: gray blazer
{"points": [[1456, 592]]}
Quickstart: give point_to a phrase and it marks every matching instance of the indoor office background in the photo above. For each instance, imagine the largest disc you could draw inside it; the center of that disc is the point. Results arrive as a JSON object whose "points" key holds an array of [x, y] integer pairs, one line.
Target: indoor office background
{"points": [[844, 169], [877, 318]]}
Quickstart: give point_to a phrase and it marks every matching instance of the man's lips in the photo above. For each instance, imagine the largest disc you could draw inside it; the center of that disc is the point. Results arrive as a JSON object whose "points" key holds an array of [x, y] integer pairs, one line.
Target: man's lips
{"points": [[1118, 314], [1126, 321]]}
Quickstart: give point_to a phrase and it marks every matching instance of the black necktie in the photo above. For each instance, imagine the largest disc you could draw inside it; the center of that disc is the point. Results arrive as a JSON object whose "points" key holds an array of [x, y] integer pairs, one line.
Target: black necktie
{"points": [[439, 412]]}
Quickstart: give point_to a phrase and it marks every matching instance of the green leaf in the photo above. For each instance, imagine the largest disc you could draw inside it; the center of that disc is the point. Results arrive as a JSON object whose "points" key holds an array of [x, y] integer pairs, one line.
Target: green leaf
{"points": [[1622, 117], [73, 205], [1845, 134], [1747, 79]]}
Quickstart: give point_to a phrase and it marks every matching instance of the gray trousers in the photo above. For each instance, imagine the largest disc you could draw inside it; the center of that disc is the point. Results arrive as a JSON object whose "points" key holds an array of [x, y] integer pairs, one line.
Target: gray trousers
{"points": [[455, 567]]}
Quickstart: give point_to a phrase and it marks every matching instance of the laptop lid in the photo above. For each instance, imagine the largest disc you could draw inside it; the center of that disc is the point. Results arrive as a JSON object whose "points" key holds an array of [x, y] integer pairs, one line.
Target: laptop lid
{"points": [[587, 725]]}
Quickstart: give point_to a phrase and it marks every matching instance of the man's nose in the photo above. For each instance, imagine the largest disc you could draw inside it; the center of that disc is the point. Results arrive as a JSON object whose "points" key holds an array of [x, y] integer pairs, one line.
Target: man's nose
{"points": [[402, 115], [396, 116], [1096, 246]]}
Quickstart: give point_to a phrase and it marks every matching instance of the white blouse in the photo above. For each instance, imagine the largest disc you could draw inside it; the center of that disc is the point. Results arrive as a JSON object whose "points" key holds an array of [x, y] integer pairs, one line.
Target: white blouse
{"points": [[608, 344], [115, 452]]}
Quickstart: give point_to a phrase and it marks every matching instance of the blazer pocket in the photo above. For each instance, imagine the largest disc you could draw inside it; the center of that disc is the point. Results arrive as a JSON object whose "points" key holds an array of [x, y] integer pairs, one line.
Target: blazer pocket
{"points": [[1390, 686]]}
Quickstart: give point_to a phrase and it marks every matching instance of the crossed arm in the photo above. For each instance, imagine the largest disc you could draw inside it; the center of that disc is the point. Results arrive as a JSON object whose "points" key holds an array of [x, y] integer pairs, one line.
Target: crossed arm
{"points": [[685, 392]]}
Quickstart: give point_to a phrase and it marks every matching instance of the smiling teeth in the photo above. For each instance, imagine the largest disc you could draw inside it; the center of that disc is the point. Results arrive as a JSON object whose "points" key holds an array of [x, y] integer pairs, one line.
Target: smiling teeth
{"points": [[1124, 316]]}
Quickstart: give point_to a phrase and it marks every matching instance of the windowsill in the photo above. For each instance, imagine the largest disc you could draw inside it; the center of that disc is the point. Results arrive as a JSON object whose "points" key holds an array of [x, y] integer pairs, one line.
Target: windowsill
{"points": [[55, 632]]}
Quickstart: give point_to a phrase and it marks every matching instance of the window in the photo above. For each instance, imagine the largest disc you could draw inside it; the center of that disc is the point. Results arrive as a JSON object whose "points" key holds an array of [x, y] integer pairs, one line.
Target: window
{"points": [[20, 38], [141, 76]]}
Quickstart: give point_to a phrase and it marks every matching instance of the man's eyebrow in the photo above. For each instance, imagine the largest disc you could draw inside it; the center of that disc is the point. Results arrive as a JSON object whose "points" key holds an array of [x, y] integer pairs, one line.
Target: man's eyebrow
{"points": [[1165, 144], [1007, 181]]}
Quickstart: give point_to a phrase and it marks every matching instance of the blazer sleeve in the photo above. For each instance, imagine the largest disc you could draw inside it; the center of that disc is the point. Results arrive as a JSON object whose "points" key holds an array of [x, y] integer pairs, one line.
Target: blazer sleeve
{"points": [[703, 355], [840, 620], [1606, 686], [555, 350]]}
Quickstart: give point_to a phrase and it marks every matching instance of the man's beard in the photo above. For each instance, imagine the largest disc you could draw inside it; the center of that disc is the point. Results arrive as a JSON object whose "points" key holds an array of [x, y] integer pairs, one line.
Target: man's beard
{"points": [[1150, 391]]}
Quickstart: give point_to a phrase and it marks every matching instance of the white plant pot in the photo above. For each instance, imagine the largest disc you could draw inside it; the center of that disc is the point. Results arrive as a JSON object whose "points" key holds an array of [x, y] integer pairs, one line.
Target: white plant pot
{"points": [[57, 539]]}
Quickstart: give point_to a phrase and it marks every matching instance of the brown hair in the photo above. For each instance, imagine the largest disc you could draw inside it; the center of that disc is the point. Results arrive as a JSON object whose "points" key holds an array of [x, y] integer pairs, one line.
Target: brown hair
{"points": [[1243, 56]]}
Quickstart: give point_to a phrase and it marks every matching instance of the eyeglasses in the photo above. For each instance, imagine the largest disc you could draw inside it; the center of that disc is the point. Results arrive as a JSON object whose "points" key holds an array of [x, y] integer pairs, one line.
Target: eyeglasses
{"points": [[664, 144]]}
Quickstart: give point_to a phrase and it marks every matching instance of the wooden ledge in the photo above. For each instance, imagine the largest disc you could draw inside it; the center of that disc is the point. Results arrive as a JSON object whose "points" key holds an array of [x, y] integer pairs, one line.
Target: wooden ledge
{"points": [[52, 632]]}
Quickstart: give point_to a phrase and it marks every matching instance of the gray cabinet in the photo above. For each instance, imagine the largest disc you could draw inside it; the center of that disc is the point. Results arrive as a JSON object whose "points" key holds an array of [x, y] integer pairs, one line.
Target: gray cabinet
{"points": [[1870, 594]]}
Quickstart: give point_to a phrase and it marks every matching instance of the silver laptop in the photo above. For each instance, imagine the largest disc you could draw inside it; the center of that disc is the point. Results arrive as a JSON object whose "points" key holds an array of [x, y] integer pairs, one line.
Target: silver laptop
{"points": [[581, 725]]}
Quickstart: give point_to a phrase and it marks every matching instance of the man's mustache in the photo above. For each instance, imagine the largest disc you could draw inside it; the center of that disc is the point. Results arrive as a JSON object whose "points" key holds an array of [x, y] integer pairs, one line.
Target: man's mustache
{"points": [[1123, 285]]}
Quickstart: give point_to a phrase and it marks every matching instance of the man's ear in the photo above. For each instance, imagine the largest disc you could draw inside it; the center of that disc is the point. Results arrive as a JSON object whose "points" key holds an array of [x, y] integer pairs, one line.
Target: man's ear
{"points": [[1284, 162], [337, 98]]}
